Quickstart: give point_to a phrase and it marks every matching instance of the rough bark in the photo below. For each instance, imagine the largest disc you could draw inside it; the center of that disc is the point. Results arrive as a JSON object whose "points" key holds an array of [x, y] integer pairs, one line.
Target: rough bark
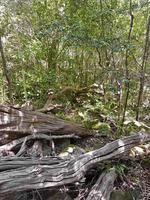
{"points": [[18, 174], [127, 71], [5, 71], [103, 187], [143, 68], [15, 123]]}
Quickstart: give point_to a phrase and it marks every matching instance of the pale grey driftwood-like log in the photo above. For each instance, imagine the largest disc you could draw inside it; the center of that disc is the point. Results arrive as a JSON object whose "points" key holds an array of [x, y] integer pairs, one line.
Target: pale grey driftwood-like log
{"points": [[33, 174], [103, 187], [15, 123]]}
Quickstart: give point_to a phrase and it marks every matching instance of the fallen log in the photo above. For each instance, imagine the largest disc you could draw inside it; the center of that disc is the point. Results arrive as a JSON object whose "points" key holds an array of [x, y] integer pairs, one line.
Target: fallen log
{"points": [[18, 174], [16, 123], [103, 186]]}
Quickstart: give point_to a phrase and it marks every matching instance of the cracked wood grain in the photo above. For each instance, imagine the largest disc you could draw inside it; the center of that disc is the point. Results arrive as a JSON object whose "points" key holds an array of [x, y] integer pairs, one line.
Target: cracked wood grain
{"points": [[19, 174]]}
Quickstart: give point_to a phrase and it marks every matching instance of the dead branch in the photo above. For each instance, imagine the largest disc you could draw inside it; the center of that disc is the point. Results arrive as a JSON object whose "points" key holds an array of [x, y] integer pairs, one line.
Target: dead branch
{"points": [[12, 145]]}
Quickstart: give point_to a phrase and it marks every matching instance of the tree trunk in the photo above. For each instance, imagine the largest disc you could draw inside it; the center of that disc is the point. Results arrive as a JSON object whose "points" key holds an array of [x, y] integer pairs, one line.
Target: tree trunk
{"points": [[5, 71], [142, 73], [127, 83]]}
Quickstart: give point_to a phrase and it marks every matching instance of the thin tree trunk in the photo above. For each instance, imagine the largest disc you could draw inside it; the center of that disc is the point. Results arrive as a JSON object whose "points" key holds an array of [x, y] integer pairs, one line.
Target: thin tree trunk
{"points": [[143, 68], [5, 71], [127, 85]]}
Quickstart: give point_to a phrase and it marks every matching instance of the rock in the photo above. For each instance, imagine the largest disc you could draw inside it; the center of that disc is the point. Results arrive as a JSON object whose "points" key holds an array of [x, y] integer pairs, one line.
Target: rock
{"points": [[70, 149], [64, 155], [71, 152]]}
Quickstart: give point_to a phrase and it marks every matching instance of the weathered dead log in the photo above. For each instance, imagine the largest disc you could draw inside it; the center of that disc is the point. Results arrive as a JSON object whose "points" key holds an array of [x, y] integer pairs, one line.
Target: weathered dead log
{"points": [[21, 174], [15, 123], [103, 187]]}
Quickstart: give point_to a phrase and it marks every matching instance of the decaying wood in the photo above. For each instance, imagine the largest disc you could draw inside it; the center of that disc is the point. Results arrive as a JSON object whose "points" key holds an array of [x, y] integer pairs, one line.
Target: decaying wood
{"points": [[25, 173], [72, 94], [15, 123], [15, 143], [36, 150], [22, 149], [53, 108], [103, 187]]}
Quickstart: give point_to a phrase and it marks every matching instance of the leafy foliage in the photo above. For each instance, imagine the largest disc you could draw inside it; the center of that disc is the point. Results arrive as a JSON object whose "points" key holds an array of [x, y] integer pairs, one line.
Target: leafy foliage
{"points": [[54, 44]]}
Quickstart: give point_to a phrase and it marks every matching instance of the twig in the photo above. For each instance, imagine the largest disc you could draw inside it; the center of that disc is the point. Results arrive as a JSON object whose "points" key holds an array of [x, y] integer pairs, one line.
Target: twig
{"points": [[23, 147]]}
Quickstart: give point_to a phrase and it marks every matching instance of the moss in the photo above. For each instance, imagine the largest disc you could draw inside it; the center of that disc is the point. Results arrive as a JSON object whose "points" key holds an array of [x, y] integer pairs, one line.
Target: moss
{"points": [[103, 128]]}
